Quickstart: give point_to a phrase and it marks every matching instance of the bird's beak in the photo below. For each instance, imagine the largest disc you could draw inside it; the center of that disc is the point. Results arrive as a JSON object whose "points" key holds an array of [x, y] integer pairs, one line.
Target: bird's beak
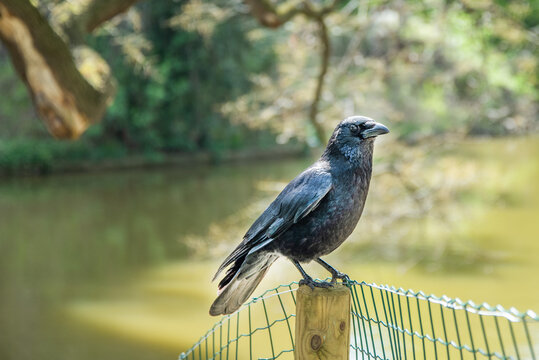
{"points": [[377, 129]]}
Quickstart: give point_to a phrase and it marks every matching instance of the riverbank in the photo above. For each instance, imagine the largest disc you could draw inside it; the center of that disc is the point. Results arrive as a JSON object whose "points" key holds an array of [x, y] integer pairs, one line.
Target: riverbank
{"points": [[31, 162]]}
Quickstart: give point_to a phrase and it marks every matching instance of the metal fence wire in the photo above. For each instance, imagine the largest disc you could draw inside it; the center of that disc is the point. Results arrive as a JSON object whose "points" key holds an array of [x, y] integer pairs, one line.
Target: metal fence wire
{"points": [[387, 323]]}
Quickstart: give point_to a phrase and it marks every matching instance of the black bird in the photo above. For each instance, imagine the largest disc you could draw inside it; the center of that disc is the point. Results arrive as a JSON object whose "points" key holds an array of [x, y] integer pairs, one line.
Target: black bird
{"points": [[310, 218]]}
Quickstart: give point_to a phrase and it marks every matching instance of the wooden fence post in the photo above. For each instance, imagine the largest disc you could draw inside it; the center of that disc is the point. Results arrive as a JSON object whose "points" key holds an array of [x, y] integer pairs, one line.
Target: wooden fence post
{"points": [[323, 323]]}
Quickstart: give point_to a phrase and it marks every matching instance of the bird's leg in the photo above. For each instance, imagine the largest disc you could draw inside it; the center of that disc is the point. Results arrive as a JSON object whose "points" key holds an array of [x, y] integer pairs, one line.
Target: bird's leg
{"points": [[307, 280], [335, 274]]}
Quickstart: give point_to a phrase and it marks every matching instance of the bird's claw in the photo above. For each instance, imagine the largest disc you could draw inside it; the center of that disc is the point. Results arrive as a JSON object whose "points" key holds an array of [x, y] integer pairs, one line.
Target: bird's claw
{"points": [[312, 284], [341, 276]]}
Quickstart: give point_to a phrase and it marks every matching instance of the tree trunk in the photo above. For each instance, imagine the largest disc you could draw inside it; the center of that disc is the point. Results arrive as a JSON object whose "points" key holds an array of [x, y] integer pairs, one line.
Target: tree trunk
{"points": [[70, 84]]}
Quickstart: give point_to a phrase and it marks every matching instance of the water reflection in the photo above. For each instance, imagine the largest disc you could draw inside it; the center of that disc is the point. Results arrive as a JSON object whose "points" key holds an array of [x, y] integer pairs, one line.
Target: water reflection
{"points": [[118, 265]]}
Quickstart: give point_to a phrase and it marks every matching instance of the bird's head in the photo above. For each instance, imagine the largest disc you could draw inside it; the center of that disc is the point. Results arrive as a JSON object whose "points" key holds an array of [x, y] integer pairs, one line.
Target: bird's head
{"points": [[354, 136]]}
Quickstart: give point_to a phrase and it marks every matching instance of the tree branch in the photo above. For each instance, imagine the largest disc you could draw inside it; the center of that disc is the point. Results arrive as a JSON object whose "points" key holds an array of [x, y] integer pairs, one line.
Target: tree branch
{"points": [[80, 17], [100, 11], [324, 57], [270, 16]]}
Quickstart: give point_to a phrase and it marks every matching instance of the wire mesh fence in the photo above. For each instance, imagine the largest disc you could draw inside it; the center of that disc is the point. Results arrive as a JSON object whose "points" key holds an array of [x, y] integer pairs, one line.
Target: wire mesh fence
{"points": [[387, 323], [391, 323]]}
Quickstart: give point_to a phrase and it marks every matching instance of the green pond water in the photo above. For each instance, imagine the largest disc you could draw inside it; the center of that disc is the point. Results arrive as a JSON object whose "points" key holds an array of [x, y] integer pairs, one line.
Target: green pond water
{"points": [[118, 265]]}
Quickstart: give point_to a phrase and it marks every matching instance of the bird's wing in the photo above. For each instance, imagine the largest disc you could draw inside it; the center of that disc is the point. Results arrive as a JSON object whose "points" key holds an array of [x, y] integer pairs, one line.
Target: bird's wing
{"points": [[299, 198]]}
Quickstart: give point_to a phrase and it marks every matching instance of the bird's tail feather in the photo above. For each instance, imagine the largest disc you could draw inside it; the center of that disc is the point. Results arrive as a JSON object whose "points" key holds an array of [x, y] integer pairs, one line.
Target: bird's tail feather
{"points": [[251, 271]]}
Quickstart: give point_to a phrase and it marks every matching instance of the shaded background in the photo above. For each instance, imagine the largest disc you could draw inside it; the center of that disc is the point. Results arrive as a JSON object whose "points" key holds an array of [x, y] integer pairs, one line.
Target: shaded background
{"points": [[108, 243]]}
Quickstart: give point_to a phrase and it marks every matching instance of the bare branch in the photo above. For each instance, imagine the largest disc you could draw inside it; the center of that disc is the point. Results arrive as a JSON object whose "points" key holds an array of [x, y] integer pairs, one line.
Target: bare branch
{"points": [[271, 16], [324, 56], [80, 17], [100, 11]]}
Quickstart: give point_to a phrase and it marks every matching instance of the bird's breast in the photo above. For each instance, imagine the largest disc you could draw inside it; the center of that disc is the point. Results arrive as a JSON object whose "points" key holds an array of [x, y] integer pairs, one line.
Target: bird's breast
{"points": [[328, 226]]}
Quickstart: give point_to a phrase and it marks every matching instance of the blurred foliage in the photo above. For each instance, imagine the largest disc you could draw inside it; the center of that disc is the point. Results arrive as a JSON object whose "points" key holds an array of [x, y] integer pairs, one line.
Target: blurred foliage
{"points": [[170, 101], [425, 68], [200, 75]]}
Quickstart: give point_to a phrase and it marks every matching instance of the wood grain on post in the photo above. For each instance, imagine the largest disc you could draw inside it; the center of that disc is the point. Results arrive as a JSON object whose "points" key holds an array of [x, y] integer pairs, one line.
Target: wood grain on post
{"points": [[323, 323]]}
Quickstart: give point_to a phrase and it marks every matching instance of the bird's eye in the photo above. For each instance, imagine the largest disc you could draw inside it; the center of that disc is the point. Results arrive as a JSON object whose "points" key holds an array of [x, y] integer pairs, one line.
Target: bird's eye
{"points": [[354, 128]]}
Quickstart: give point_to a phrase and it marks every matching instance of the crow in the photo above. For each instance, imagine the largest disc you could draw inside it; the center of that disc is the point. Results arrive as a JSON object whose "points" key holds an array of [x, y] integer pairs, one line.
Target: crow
{"points": [[310, 218]]}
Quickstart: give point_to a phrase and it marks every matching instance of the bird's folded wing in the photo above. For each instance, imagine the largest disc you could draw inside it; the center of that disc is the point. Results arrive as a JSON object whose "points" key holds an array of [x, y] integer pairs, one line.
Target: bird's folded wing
{"points": [[299, 198]]}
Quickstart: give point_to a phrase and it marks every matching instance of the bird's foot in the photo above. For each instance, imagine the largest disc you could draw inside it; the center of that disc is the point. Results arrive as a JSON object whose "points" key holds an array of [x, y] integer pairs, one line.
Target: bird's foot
{"points": [[312, 284], [341, 276]]}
